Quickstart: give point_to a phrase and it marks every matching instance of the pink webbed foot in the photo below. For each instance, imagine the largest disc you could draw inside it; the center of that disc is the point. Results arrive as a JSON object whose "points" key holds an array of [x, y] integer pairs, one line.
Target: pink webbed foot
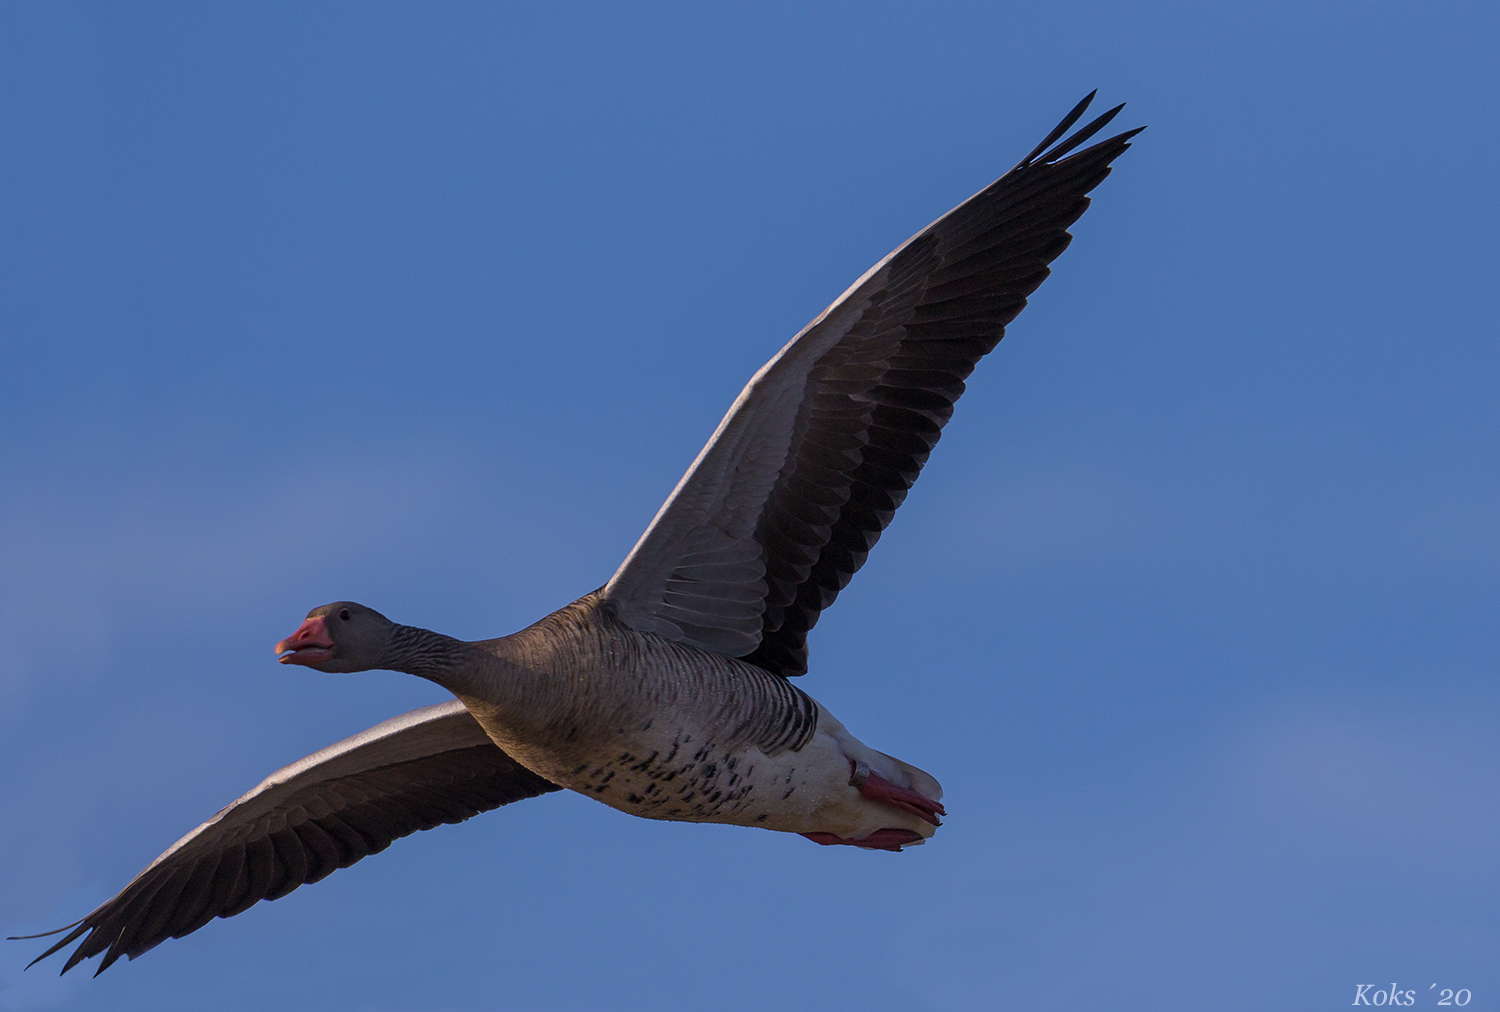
{"points": [[881, 839], [877, 788]]}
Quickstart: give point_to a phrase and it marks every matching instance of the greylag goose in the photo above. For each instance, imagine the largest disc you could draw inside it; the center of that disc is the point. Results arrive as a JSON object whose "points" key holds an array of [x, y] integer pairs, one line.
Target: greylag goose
{"points": [[667, 693]]}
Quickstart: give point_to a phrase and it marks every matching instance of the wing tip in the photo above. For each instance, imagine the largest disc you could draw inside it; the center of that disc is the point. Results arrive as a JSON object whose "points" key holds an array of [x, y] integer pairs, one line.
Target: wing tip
{"points": [[1052, 150], [80, 928]]}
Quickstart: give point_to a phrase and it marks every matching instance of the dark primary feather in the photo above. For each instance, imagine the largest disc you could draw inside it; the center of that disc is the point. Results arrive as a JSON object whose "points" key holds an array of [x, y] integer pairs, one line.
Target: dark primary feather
{"points": [[877, 401], [322, 814], [1061, 128]]}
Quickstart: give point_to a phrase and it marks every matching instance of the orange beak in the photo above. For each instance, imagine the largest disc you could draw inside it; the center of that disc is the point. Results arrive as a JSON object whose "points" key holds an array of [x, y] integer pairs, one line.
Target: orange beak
{"points": [[310, 644]]}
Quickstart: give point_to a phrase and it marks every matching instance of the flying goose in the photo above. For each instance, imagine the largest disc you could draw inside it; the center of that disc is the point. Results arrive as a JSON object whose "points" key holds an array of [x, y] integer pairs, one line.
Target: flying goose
{"points": [[667, 693]]}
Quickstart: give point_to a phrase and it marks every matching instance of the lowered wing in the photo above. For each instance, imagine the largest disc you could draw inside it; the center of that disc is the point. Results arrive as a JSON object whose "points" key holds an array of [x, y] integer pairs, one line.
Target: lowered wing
{"points": [[303, 822]]}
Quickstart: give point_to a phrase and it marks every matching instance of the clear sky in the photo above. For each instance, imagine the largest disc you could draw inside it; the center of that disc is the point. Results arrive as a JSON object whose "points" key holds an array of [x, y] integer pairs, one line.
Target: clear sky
{"points": [[1195, 611]]}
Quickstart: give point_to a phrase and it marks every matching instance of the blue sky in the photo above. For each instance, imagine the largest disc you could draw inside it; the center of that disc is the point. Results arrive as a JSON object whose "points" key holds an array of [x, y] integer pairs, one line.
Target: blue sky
{"points": [[1193, 612]]}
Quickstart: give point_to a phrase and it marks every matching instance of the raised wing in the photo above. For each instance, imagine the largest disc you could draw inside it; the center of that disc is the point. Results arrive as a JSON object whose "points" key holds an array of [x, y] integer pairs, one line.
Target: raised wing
{"points": [[415, 771], [785, 502]]}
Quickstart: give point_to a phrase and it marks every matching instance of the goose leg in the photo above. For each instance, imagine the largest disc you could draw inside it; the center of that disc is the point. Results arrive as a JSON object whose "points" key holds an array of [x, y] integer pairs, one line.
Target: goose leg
{"points": [[877, 788], [881, 839]]}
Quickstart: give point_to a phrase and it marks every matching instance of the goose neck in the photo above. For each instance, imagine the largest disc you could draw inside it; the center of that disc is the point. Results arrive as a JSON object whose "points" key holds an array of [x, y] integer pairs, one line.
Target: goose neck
{"points": [[430, 655]]}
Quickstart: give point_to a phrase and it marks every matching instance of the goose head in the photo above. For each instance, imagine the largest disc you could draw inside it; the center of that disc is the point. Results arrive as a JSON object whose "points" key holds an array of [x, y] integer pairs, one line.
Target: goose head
{"points": [[339, 637]]}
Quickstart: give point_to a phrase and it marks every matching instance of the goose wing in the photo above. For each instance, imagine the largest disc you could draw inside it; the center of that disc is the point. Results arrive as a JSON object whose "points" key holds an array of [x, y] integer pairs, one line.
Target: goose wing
{"points": [[785, 502], [322, 813]]}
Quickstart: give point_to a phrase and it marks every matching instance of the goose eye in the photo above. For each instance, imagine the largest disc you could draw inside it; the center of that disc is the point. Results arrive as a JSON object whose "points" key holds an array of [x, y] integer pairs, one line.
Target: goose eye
{"points": [[344, 614]]}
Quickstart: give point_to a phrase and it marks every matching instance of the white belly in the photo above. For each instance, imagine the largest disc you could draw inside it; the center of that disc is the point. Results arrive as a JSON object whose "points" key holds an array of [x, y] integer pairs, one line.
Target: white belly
{"points": [[675, 773]]}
